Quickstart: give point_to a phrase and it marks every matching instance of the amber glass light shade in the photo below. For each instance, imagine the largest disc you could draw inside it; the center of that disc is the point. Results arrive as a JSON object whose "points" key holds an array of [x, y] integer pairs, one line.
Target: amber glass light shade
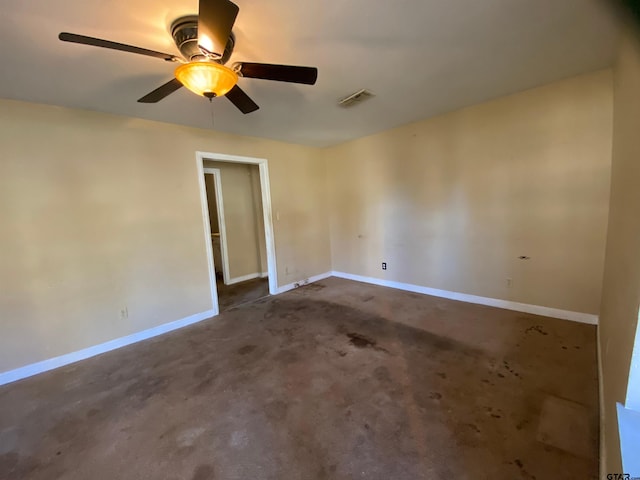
{"points": [[206, 77]]}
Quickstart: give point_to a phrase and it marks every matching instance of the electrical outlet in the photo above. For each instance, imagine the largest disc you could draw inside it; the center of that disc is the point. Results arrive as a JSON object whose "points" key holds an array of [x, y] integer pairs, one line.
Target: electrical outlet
{"points": [[509, 282], [384, 265], [124, 313]]}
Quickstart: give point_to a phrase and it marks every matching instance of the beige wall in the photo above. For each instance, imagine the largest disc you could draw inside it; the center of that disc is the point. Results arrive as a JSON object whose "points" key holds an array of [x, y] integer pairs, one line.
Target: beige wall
{"points": [[621, 289], [101, 213], [246, 244], [211, 203], [451, 202], [256, 192]]}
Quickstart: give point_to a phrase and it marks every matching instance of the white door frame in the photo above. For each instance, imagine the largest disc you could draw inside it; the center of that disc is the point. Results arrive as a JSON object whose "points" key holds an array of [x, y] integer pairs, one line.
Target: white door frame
{"points": [[217, 179], [265, 190]]}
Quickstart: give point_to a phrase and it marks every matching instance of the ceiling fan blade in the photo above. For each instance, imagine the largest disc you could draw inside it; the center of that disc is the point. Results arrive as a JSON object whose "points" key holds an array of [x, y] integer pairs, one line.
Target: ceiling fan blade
{"points": [[240, 99], [161, 92], [98, 42], [279, 73], [215, 21]]}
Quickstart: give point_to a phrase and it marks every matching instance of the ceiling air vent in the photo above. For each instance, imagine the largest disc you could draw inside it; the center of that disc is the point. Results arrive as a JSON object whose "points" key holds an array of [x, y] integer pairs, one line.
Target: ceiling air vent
{"points": [[355, 98]]}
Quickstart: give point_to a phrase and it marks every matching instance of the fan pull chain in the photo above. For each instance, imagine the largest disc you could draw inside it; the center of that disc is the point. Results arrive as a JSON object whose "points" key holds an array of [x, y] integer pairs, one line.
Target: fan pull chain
{"points": [[212, 119]]}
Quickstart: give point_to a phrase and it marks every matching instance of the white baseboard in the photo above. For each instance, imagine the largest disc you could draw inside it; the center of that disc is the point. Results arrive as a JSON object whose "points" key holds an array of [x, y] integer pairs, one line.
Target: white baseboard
{"points": [[306, 281], [603, 451], [66, 359], [244, 278], [264, 274], [464, 297], [52, 363]]}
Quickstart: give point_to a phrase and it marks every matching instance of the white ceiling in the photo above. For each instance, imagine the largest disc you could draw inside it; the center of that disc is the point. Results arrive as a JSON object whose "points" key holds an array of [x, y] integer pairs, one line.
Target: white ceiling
{"points": [[420, 58]]}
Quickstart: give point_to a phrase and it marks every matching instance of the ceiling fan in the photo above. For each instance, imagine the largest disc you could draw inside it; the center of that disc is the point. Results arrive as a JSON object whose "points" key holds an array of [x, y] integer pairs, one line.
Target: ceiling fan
{"points": [[206, 42]]}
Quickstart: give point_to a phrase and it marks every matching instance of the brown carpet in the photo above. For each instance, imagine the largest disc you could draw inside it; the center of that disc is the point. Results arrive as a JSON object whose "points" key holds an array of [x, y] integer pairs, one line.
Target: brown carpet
{"points": [[230, 296], [336, 380]]}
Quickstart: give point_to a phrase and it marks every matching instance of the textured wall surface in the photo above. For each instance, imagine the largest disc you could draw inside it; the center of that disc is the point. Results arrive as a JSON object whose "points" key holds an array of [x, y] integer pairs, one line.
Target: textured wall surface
{"points": [[453, 201]]}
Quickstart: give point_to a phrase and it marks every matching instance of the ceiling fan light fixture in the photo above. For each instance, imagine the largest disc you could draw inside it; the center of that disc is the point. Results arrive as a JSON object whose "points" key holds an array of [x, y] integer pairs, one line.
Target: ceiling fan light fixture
{"points": [[206, 78]]}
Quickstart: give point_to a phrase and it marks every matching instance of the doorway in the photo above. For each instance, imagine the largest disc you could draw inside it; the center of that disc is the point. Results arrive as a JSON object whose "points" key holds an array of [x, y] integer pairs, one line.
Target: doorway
{"points": [[236, 208]]}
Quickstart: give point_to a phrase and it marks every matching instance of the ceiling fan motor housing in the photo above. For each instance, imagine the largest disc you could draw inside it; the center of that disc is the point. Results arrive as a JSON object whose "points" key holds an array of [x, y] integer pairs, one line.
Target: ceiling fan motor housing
{"points": [[184, 31]]}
